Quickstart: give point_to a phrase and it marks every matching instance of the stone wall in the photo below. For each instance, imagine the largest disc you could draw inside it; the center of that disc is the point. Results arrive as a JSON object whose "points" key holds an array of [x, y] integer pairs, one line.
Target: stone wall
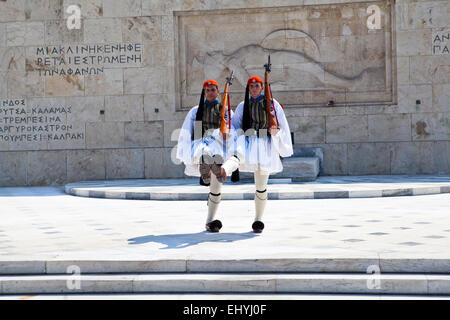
{"points": [[104, 101]]}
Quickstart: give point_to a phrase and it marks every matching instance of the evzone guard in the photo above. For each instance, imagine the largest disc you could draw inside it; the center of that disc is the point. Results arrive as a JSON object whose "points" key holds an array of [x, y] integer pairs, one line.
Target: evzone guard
{"points": [[265, 136], [205, 145]]}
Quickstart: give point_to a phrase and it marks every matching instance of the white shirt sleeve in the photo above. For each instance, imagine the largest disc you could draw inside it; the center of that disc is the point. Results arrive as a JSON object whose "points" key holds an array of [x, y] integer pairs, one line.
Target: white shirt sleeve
{"points": [[236, 120], [184, 150], [282, 141]]}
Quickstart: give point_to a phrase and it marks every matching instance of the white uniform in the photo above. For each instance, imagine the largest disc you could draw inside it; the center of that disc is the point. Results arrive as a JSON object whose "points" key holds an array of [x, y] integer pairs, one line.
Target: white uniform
{"points": [[261, 155], [190, 151], [263, 151]]}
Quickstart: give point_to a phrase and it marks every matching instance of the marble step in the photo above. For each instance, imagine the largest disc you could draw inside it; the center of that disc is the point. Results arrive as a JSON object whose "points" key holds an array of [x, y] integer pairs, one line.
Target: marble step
{"points": [[267, 265], [344, 283], [298, 169], [220, 296], [325, 187]]}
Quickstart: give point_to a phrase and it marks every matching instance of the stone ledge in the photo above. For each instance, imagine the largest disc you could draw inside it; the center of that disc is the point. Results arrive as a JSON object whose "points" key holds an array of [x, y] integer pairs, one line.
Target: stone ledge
{"points": [[332, 264], [222, 282], [278, 189], [299, 169]]}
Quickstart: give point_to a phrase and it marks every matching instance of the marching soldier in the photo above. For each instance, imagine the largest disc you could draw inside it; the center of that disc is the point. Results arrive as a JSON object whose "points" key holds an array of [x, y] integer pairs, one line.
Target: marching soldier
{"points": [[261, 144], [204, 154]]}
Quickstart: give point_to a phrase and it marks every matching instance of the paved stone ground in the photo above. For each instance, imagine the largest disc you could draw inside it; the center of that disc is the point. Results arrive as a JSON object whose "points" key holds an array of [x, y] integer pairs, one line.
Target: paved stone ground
{"points": [[46, 223]]}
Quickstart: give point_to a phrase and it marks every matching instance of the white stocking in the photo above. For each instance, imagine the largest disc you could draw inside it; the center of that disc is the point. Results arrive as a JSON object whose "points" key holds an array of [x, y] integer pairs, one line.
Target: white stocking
{"points": [[214, 198], [261, 178]]}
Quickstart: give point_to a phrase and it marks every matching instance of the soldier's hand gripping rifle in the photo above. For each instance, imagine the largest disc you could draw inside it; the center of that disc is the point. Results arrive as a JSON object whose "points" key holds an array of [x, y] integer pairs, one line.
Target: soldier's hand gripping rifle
{"points": [[224, 129], [273, 123]]}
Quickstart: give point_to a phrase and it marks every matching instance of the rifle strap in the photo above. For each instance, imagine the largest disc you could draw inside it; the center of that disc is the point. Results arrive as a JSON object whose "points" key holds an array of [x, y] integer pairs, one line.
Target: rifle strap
{"points": [[229, 112], [273, 106]]}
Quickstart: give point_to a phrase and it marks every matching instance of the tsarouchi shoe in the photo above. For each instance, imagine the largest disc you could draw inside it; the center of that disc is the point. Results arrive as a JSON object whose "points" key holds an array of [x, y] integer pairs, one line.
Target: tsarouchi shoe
{"points": [[219, 172], [214, 226], [257, 226], [205, 172]]}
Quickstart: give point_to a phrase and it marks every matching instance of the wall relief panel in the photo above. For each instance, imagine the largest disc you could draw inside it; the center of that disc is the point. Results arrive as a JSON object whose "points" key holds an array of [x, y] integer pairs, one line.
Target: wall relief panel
{"points": [[318, 53]]}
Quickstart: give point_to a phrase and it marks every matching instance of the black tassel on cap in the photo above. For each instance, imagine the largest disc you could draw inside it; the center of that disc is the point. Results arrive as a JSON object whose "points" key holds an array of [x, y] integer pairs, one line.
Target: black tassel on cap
{"points": [[199, 115], [246, 112], [201, 105]]}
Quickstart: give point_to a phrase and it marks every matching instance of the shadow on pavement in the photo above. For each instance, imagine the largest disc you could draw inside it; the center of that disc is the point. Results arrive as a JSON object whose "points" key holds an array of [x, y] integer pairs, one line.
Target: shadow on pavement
{"points": [[183, 240], [32, 191]]}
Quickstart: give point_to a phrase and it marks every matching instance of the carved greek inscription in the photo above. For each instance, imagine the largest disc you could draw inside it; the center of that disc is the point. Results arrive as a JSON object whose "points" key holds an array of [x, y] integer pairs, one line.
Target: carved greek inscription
{"points": [[85, 59], [21, 123], [441, 42]]}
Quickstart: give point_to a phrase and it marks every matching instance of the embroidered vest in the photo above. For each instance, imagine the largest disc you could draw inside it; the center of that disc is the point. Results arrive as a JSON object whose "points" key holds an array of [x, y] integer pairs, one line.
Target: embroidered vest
{"points": [[258, 115], [255, 114], [211, 116]]}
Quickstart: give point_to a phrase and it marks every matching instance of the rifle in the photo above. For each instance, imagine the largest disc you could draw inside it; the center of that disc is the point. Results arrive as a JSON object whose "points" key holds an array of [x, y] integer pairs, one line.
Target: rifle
{"points": [[226, 106], [268, 97]]}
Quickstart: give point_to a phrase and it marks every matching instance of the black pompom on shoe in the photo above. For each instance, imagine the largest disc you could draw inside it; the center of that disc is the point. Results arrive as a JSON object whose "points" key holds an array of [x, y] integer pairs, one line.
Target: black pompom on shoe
{"points": [[257, 226], [214, 226], [235, 176]]}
